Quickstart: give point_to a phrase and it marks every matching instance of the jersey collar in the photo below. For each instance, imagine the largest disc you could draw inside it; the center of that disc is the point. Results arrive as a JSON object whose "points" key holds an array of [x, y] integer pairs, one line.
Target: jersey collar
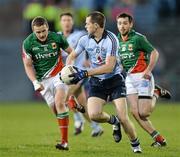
{"points": [[35, 38], [131, 32], [104, 35]]}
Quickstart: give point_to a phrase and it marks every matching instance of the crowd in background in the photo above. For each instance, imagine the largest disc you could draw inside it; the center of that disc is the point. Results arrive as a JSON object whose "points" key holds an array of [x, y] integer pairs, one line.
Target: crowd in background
{"points": [[146, 12], [157, 19]]}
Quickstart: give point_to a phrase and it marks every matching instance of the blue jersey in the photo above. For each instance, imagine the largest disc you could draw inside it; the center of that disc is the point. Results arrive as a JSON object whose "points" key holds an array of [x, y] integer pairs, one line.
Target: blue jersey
{"points": [[73, 39], [98, 51]]}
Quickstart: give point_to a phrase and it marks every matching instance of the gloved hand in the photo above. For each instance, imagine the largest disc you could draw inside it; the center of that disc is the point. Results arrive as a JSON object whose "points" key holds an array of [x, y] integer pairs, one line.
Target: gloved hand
{"points": [[79, 75]]}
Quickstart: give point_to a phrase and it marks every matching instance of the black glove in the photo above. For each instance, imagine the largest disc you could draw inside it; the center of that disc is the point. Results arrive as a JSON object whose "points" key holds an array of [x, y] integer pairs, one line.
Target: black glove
{"points": [[79, 75]]}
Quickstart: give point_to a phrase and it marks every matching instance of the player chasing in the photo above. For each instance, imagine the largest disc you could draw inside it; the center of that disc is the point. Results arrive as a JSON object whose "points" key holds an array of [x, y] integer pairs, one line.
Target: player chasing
{"points": [[77, 91], [106, 78], [138, 58], [43, 63]]}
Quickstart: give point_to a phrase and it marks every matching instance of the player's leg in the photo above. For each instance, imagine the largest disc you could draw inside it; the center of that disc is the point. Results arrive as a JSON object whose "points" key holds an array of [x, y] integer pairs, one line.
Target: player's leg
{"points": [[62, 117], [121, 107], [60, 95], [95, 110], [118, 96], [49, 95], [146, 104], [81, 98], [73, 104], [134, 109]]}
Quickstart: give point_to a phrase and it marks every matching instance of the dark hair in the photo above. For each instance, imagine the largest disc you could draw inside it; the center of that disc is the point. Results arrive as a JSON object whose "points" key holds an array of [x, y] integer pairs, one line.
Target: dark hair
{"points": [[124, 15], [98, 17], [39, 21], [66, 14]]}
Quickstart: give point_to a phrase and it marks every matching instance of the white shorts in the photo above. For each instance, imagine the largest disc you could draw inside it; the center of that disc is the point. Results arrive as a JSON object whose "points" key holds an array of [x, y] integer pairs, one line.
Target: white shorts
{"points": [[135, 84], [50, 86]]}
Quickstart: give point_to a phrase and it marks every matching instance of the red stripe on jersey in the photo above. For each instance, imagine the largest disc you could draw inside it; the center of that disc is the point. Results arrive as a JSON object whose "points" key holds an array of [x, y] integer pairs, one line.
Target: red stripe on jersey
{"points": [[141, 64], [58, 67]]}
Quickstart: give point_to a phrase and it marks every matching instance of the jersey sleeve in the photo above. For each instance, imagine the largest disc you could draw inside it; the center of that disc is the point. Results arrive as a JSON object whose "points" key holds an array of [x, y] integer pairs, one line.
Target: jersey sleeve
{"points": [[144, 45], [80, 45], [26, 50], [63, 42], [113, 45]]}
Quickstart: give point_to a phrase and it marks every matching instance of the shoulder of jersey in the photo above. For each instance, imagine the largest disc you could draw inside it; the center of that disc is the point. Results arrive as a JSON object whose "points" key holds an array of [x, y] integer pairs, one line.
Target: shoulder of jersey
{"points": [[111, 35], [139, 34], [28, 39]]}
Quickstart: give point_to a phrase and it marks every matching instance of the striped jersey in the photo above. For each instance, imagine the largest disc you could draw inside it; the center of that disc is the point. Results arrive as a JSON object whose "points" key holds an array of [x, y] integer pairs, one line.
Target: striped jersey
{"points": [[98, 51], [46, 56], [134, 52]]}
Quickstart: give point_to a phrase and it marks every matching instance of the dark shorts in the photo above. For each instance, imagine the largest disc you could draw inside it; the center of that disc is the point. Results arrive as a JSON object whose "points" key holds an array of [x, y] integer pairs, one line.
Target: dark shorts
{"points": [[111, 88]]}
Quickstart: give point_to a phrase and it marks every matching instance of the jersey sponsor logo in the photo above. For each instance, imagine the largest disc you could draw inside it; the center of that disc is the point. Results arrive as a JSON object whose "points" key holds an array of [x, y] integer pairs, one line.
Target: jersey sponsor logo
{"points": [[130, 47], [47, 55], [45, 47], [54, 46], [127, 56], [123, 48], [35, 48]]}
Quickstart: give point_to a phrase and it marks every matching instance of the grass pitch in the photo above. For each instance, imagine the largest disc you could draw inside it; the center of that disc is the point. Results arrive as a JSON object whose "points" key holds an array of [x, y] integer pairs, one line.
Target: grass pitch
{"points": [[30, 130]]}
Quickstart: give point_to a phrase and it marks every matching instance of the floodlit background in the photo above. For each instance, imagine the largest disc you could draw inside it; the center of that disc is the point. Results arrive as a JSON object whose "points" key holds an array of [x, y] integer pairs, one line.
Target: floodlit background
{"points": [[159, 20]]}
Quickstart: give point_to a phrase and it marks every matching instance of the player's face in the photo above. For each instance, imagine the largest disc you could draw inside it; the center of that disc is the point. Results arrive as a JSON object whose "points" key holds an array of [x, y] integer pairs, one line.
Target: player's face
{"points": [[66, 23], [90, 27], [124, 26], [41, 32]]}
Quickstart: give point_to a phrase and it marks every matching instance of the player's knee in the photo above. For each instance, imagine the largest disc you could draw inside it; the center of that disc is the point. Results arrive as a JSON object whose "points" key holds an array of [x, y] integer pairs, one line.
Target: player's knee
{"points": [[60, 105], [135, 113], [144, 115], [94, 116]]}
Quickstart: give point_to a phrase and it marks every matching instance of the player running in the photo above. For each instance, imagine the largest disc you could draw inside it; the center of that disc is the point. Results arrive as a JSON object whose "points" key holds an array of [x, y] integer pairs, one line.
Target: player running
{"points": [[43, 62], [138, 58], [73, 36], [106, 79]]}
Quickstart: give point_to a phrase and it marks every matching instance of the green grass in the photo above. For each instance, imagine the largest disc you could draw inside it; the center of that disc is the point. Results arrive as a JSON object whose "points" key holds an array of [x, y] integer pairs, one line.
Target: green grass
{"points": [[30, 130]]}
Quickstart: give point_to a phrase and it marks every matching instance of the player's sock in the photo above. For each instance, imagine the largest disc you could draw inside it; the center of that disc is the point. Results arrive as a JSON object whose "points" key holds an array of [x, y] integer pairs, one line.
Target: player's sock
{"points": [[63, 121], [113, 120], [158, 138], [78, 117], [78, 123], [154, 134], [156, 94], [96, 129], [95, 126], [135, 144]]}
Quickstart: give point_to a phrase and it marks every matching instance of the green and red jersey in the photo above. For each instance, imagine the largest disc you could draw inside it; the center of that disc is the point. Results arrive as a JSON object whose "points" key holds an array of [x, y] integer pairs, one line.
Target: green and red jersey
{"points": [[134, 52], [46, 56]]}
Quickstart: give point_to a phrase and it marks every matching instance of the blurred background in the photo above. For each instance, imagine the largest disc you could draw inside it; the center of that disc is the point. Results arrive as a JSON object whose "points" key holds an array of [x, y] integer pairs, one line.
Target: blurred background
{"points": [[159, 20]]}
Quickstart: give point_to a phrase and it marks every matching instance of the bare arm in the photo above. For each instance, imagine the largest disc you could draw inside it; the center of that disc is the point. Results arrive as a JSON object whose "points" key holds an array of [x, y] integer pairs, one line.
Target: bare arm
{"points": [[29, 69], [103, 69], [71, 57], [31, 73], [153, 60]]}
